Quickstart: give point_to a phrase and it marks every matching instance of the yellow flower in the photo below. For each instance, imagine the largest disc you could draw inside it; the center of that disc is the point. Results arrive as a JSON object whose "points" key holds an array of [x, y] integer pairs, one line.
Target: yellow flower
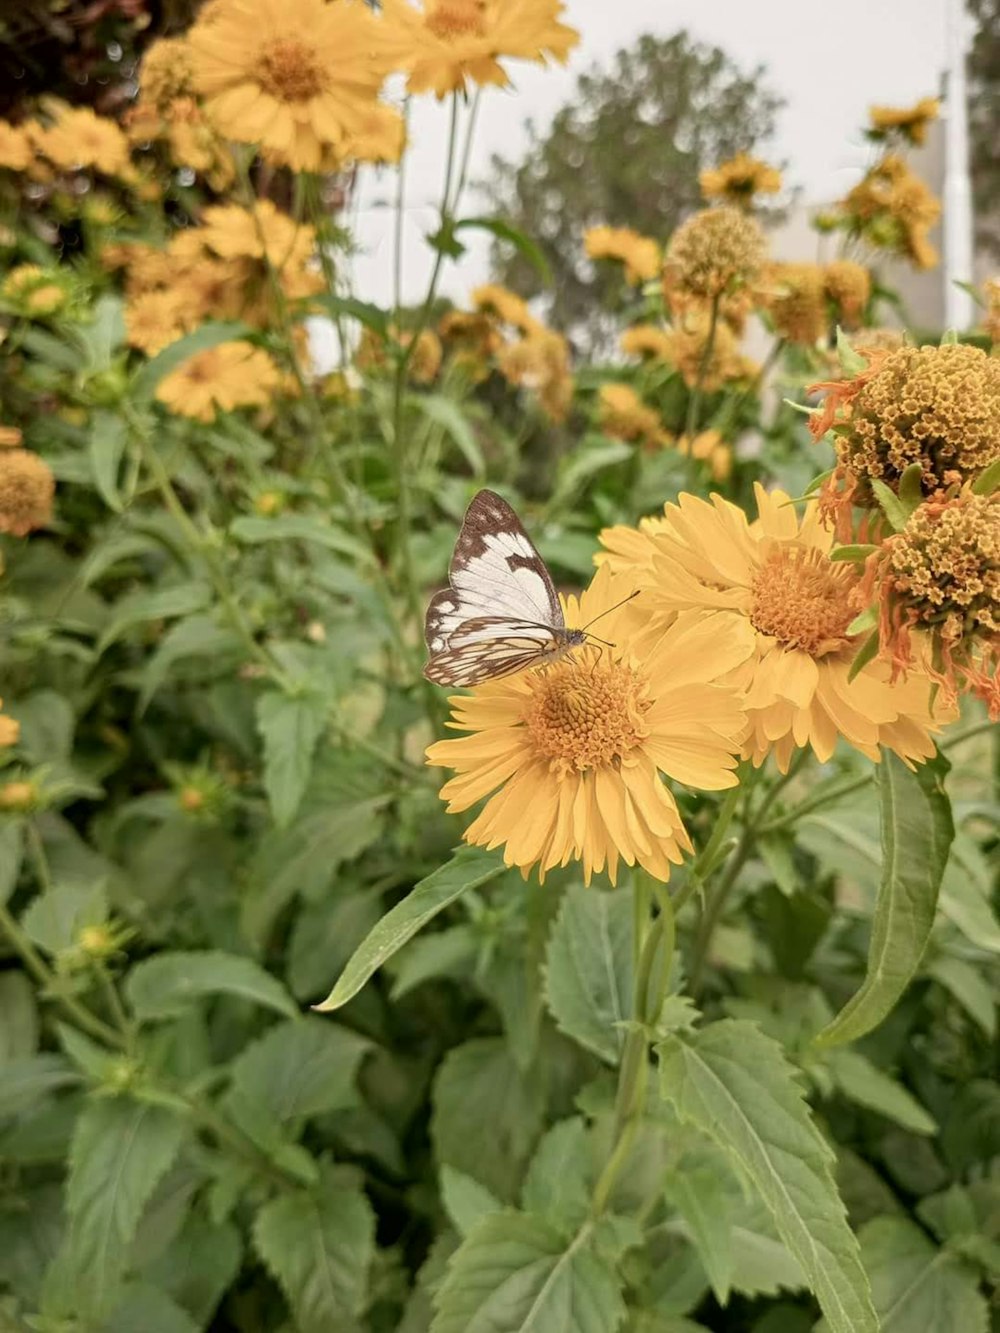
{"points": [[232, 375], [715, 252], [289, 75], [709, 447], [940, 577], [472, 340], [10, 730], [849, 286], [935, 406], [640, 255], [624, 416], [910, 122], [775, 581], [446, 44], [425, 359], [540, 362], [647, 341], [739, 180], [34, 290], [15, 147], [506, 306], [79, 138], [26, 490], [165, 73], [794, 297], [234, 232], [154, 319], [572, 753]]}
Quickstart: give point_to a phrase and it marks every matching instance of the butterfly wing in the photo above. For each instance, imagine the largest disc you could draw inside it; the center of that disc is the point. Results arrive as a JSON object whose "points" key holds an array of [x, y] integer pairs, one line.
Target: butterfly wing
{"points": [[495, 571], [501, 612]]}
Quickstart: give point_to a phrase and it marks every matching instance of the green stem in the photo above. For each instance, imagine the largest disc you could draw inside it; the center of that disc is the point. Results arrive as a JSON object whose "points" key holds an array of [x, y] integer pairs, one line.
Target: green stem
{"points": [[732, 407], [694, 400], [959, 737], [828, 797]]}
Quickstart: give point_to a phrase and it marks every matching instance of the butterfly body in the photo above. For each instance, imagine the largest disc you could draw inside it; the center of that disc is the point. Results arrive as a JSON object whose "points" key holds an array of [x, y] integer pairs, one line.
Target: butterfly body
{"points": [[500, 613]]}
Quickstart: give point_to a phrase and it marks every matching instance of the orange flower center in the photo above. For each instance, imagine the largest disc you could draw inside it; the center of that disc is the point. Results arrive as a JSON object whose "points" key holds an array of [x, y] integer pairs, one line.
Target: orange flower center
{"points": [[451, 19], [289, 70], [803, 599], [581, 716]]}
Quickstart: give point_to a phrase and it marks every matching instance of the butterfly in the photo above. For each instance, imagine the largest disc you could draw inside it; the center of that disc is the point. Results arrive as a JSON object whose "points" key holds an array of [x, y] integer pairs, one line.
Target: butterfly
{"points": [[501, 612]]}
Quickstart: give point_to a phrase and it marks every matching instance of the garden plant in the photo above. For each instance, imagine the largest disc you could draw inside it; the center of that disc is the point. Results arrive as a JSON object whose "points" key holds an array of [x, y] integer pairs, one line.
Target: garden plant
{"points": [[650, 988]]}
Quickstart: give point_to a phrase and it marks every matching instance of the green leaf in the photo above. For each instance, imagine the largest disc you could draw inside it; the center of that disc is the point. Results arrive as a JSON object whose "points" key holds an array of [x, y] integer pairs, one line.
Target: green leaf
{"points": [[198, 1266], [446, 413], [181, 599], [47, 726], [253, 530], [594, 456], [197, 636], [443, 953], [11, 854], [301, 1068], [291, 726], [965, 982], [966, 890], [18, 1018], [372, 316], [856, 552], [466, 1201], [469, 868], [487, 1114], [700, 1196], [896, 510], [503, 231], [25, 1081], [164, 363], [588, 975], [121, 1150], [735, 1085], [917, 1287], [559, 1184], [164, 986], [56, 917], [851, 362], [865, 654], [917, 831], [145, 1307], [515, 1274], [988, 480], [865, 1084], [108, 437], [319, 1246], [911, 492]]}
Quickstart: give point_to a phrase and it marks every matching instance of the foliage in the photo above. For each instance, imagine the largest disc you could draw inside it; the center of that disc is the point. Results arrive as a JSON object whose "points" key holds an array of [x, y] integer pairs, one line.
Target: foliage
{"points": [[743, 1084]]}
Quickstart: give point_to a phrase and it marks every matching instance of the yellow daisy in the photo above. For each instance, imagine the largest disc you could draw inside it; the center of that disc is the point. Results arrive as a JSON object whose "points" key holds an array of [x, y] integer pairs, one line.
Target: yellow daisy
{"points": [[15, 147], [739, 179], [232, 375], [624, 416], [26, 490], [80, 138], [540, 362], [293, 76], [506, 306], [640, 254], [446, 44], [774, 579], [570, 755]]}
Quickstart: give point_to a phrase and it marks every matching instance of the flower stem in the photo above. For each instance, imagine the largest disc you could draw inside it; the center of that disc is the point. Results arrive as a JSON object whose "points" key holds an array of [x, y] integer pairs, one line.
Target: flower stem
{"points": [[694, 399]]}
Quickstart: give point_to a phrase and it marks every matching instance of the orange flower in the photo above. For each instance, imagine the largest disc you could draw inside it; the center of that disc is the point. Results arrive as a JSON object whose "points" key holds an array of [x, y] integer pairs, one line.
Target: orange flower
{"points": [[640, 255]]}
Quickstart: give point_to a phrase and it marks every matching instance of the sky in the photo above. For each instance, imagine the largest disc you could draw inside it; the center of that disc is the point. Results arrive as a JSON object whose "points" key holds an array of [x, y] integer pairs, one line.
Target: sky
{"points": [[829, 61]]}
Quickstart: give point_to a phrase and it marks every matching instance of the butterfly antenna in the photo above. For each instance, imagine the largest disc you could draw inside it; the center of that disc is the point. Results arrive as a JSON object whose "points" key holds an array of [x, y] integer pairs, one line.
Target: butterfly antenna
{"points": [[608, 612]]}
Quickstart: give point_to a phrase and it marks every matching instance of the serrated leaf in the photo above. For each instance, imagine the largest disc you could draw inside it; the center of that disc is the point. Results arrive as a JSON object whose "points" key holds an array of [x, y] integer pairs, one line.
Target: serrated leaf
{"points": [[163, 986], [121, 1149], [290, 726], [180, 599], [195, 636], [469, 868], [588, 972], [300, 1069], [56, 917], [466, 1201], [702, 1200], [164, 363], [487, 1114], [198, 1266], [558, 1184], [47, 726], [917, 1287], [515, 1274], [735, 1085], [866, 1084], [146, 1307], [25, 1081], [917, 831], [319, 1246]]}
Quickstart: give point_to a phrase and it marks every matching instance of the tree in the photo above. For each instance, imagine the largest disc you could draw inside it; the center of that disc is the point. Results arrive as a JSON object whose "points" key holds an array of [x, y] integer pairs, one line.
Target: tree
{"points": [[984, 116], [625, 151]]}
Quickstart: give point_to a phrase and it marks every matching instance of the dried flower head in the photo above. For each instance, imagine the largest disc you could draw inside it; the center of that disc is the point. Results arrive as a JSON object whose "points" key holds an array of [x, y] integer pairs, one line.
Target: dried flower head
{"points": [[848, 285], [714, 252], [935, 406], [941, 576], [10, 437], [740, 180], [26, 490], [892, 209], [640, 254], [794, 296], [991, 319]]}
